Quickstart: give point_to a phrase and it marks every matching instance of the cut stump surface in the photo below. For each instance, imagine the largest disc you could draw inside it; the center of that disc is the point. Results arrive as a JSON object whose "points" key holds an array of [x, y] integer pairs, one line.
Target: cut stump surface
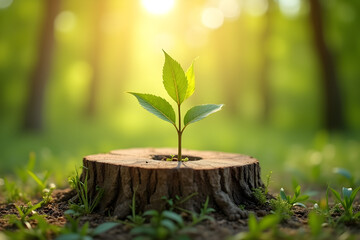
{"points": [[226, 178]]}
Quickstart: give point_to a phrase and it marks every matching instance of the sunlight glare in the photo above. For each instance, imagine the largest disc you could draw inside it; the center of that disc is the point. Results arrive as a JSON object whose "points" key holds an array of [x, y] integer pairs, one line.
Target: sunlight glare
{"points": [[158, 6], [212, 18], [290, 8], [230, 8], [257, 8]]}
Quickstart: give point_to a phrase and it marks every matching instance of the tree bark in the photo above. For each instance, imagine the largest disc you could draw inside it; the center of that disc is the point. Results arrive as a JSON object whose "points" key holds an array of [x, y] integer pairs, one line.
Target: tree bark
{"points": [[332, 98], [226, 178], [33, 119]]}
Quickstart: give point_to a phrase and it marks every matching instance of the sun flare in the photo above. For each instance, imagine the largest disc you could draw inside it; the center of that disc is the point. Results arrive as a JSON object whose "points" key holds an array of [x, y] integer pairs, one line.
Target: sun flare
{"points": [[158, 6]]}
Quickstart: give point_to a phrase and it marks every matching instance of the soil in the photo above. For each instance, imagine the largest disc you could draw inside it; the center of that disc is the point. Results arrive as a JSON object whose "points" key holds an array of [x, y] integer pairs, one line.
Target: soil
{"points": [[221, 228]]}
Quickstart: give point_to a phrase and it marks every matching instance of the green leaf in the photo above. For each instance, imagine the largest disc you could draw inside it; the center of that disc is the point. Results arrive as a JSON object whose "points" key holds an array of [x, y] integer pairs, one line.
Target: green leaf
{"points": [[268, 222], [283, 195], [157, 106], [36, 179], [299, 204], [104, 227], [199, 112], [173, 216], [337, 195], [252, 223], [190, 76], [343, 172], [353, 194], [174, 79]]}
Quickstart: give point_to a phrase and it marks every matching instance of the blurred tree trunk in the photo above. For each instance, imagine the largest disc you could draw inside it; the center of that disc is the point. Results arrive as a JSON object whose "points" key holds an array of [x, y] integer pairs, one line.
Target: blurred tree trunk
{"points": [[332, 99], [264, 77], [33, 119], [96, 56]]}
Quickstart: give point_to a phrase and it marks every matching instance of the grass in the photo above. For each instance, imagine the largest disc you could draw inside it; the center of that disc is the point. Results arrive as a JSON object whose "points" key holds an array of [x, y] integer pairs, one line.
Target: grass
{"points": [[308, 156]]}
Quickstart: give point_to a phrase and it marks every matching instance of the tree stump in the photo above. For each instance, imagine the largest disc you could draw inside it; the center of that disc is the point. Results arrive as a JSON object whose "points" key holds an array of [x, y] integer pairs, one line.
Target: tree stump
{"points": [[226, 178]]}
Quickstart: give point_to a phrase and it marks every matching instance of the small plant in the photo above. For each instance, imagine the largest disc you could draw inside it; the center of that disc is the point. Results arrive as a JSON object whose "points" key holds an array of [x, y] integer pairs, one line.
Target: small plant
{"points": [[11, 191], [257, 229], [204, 214], [25, 213], [179, 85], [73, 230], [135, 219], [295, 200], [85, 205], [164, 225], [260, 195], [281, 208], [175, 204], [261, 192], [346, 201], [42, 231]]}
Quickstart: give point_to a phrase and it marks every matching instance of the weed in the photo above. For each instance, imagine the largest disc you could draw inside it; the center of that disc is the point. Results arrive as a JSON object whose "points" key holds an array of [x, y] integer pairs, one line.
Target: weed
{"points": [[135, 219], [164, 225], [257, 229], [12, 192], [85, 204], [42, 231], [73, 230], [179, 85], [296, 199], [281, 208], [25, 213], [175, 204], [260, 195], [346, 201], [204, 214]]}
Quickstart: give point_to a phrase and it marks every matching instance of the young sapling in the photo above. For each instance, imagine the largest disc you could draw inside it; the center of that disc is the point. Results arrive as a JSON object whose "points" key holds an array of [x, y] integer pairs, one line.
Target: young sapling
{"points": [[180, 86]]}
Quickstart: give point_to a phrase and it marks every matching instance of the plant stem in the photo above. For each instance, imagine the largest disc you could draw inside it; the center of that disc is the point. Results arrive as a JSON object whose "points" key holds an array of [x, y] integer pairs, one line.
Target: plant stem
{"points": [[179, 135]]}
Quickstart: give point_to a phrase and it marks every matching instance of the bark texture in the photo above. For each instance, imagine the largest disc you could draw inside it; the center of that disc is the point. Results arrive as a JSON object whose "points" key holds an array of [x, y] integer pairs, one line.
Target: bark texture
{"points": [[228, 180]]}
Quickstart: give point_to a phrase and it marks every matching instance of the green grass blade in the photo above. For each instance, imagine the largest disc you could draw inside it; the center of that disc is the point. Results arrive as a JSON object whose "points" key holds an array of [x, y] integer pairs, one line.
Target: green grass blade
{"points": [[104, 227], [199, 112], [174, 79], [157, 106], [36, 179], [337, 196]]}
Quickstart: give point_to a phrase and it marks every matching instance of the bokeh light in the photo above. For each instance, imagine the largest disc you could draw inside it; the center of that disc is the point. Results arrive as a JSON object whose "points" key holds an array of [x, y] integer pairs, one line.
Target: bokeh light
{"points": [[212, 17], [158, 6]]}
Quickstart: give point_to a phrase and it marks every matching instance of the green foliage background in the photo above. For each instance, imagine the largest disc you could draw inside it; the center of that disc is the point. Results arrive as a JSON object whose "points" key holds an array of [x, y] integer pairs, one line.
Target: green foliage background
{"points": [[291, 142]]}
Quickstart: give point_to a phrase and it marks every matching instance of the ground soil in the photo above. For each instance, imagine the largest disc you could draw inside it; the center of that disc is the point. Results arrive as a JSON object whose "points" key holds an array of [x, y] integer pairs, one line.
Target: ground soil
{"points": [[221, 228]]}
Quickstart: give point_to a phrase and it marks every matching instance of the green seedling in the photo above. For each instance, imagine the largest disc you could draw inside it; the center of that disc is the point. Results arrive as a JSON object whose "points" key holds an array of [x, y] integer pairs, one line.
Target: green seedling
{"points": [[296, 199], [259, 229], [281, 208], [164, 225], [12, 192], [85, 203], [259, 195], [346, 201], [25, 213], [261, 192], [73, 230], [204, 214], [175, 204], [134, 219], [179, 85], [42, 231]]}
